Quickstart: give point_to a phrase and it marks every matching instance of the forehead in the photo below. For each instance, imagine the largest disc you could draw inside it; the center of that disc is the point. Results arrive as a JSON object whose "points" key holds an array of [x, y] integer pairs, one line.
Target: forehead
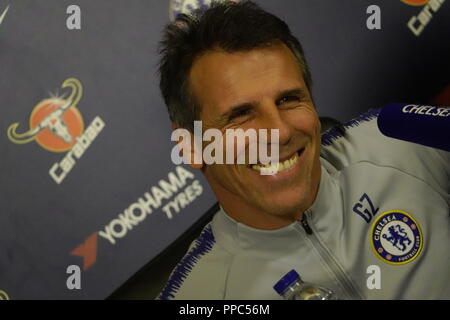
{"points": [[221, 79]]}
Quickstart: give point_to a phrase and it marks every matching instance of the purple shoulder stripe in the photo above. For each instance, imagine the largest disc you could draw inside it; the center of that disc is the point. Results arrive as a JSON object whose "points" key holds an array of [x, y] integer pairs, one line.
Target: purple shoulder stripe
{"points": [[203, 245], [332, 134]]}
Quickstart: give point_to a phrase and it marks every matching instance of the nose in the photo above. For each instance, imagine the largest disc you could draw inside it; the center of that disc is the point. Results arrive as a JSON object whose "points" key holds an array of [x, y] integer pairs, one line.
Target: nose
{"points": [[272, 118]]}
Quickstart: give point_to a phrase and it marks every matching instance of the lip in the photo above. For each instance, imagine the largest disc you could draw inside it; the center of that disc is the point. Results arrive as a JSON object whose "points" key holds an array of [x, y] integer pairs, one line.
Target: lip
{"points": [[285, 157], [281, 158], [285, 174]]}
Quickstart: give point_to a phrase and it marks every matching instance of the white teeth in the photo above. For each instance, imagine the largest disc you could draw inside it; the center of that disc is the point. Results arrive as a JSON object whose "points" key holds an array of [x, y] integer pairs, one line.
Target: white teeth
{"points": [[277, 167]]}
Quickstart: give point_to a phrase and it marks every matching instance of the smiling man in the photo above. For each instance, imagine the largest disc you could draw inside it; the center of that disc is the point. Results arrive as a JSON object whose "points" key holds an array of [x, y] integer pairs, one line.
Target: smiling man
{"points": [[224, 85], [326, 211]]}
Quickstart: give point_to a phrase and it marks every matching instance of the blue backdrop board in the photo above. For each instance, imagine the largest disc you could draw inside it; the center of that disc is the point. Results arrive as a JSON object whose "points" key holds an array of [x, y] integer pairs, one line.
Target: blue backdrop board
{"points": [[86, 177]]}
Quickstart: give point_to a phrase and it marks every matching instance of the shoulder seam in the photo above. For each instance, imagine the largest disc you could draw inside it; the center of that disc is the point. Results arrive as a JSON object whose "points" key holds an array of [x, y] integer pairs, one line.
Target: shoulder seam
{"points": [[333, 134], [404, 172]]}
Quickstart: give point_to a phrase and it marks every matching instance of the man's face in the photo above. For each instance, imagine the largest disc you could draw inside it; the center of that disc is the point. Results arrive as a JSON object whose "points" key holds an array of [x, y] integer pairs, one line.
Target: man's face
{"points": [[260, 89]]}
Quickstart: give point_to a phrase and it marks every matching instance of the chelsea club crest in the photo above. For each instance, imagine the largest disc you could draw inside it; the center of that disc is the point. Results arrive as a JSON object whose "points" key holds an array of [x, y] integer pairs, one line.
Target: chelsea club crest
{"points": [[396, 237]]}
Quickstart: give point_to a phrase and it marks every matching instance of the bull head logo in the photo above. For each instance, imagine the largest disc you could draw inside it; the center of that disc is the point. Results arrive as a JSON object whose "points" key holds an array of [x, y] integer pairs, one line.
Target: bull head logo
{"points": [[50, 115]]}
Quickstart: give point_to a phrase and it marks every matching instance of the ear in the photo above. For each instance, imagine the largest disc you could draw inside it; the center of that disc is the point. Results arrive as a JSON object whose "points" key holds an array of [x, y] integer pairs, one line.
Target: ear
{"points": [[192, 155]]}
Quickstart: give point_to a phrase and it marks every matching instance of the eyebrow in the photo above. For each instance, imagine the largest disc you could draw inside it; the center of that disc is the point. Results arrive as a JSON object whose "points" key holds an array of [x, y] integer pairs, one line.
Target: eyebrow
{"points": [[228, 115]]}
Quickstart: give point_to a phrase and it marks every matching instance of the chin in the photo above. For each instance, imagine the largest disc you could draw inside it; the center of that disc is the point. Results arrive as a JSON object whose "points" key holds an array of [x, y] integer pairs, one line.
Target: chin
{"points": [[284, 205]]}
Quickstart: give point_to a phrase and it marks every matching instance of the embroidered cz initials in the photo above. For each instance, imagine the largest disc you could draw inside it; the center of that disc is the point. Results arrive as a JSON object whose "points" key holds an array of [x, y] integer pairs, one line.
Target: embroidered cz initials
{"points": [[365, 208]]}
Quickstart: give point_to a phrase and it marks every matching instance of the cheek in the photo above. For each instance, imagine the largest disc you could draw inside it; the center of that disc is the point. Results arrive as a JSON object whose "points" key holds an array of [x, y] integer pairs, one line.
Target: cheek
{"points": [[306, 122], [318, 128], [224, 175]]}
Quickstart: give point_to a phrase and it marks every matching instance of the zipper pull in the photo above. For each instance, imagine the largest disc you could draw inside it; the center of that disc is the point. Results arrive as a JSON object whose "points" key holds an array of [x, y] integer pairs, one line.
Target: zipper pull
{"points": [[306, 225]]}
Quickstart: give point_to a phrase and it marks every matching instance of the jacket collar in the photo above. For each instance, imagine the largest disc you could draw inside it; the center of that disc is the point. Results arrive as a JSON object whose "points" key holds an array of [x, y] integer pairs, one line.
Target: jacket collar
{"points": [[234, 235]]}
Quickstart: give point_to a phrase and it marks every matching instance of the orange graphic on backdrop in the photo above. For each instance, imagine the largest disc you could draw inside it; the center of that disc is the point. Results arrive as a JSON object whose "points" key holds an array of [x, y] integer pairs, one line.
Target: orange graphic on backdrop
{"points": [[87, 250], [416, 2], [55, 123], [73, 123]]}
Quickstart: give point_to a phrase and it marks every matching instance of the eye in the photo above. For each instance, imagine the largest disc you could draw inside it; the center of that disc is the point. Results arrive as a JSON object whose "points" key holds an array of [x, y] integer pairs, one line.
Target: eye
{"points": [[288, 101], [239, 113]]}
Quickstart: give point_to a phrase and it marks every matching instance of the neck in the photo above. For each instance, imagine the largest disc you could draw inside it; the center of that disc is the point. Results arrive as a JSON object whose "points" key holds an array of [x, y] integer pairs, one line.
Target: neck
{"points": [[242, 212]]}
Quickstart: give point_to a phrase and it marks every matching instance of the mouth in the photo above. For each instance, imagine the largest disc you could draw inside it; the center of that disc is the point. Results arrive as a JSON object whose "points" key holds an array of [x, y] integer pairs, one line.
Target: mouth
{"points": [[271, 169]]}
